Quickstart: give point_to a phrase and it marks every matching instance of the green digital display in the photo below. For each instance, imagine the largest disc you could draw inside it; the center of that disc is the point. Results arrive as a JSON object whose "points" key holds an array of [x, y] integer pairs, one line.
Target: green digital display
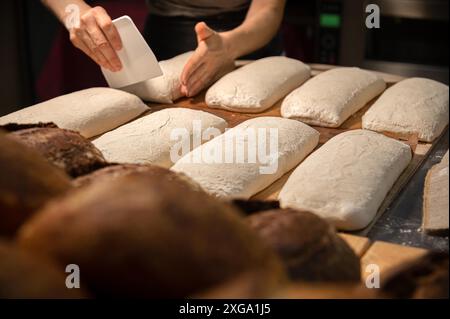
{"points": [[330, 20]]}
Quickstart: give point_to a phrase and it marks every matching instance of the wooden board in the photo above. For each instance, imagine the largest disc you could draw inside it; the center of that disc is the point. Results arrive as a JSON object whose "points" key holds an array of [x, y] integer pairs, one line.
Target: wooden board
{"points": [[420, 150], [387, 257], [359, 244]]}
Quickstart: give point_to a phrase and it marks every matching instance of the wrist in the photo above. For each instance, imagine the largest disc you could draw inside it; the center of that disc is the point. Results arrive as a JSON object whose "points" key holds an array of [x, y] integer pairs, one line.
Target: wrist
{"points": [[230, 44]]}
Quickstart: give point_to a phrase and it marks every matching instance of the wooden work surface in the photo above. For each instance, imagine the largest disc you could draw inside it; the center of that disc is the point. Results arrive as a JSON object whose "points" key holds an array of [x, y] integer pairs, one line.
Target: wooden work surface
{"points": [[420, 150], [385, 255]]}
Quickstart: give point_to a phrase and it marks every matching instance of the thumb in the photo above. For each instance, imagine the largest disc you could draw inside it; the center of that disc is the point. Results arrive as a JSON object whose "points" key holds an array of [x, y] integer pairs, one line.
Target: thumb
{"points": [[203, 31]]}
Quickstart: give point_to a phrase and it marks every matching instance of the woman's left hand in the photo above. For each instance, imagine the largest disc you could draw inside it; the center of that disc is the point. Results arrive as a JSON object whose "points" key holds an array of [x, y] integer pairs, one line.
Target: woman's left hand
{"points": [[211, 59]]}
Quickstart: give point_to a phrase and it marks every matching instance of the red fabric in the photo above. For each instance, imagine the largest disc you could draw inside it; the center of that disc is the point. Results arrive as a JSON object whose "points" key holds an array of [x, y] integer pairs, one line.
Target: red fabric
{"points": [[67, 69]]}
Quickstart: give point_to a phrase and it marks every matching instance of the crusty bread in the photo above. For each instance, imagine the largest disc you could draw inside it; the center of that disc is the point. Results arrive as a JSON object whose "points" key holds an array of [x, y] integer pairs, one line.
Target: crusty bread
{"points": [[27, 182], [25, 276], [310, 248], [142, 235], [65, 149]]}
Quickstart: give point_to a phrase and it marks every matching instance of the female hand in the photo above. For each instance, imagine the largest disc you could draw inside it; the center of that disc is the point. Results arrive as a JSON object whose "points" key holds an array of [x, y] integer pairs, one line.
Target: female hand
{"points": [[211, 59], [96, 36]]}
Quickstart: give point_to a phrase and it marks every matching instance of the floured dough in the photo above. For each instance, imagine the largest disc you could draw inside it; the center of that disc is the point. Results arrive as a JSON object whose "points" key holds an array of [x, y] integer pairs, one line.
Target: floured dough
{"points": [[243, 178], [333, 96], [166, 88], [436, 199], [90, 112], [346, 180], [257, 86], [414, 105], [147, 140]]}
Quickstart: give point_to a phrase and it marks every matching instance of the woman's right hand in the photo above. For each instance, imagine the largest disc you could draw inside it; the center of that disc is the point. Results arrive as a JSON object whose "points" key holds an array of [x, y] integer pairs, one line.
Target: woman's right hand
{"points": [[96, 36]]}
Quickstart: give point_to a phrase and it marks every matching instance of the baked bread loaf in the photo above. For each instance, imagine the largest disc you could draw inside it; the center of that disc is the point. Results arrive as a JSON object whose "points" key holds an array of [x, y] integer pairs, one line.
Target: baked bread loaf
{"points": [[331, 97], [113, 171], [258, 85], [150, 139], [309, 247], [346, 180], [423, 278], [90, 112], [412, 106], [27, 182], [166, 88], [25, 276], [65, 149], [249, 157], [146, 236]]}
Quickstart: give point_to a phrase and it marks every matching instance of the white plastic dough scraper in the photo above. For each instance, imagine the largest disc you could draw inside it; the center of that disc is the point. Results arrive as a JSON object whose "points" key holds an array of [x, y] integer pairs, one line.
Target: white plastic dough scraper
{"points": [[138, 61]]}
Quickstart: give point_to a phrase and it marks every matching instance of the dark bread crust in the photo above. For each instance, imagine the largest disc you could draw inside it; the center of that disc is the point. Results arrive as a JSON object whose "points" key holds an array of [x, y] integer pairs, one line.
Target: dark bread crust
{"points": [[65, 149], [147, 235], [309, 247], [113, 171], [424, 278], [23, 275], [27, 182]]}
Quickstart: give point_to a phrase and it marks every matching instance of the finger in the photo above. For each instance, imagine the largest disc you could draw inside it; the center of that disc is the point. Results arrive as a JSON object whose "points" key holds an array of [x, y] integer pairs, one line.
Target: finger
{"points": [[195, 61], [101, 61], [87, 40], [194, 77], [101, 43], [108, 28], [202, 81], [203, 31]]}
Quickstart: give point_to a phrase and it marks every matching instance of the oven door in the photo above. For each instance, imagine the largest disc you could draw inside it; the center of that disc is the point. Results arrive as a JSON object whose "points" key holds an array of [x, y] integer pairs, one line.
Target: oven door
{"points": [[412, 40]]}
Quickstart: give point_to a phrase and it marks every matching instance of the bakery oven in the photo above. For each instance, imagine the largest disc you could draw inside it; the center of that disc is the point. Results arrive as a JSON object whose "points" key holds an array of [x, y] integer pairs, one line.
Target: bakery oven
{"points": [[411, 40]]}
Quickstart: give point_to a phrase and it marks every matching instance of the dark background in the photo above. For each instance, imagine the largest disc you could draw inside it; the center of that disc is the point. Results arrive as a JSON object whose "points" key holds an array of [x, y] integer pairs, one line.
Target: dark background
{"points": [[38, 62]]}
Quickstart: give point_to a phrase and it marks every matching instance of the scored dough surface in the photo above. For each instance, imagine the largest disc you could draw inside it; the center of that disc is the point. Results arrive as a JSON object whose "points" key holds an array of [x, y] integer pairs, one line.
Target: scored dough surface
{"points": [[90, 112], [243, 179], [346, 180], [415, 105], [147, 140], [258, 85], [331, 97]]}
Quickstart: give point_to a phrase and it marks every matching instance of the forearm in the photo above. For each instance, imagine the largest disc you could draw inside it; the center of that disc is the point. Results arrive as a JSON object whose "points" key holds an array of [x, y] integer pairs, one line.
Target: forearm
{"points": [[58, 7], [259, 27]]}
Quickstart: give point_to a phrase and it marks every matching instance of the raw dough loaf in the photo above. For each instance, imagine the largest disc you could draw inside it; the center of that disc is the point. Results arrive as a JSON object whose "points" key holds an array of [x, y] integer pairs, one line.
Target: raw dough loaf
{"points": [[243, 179], [147, 236], [415, 105], [436, 199], [347, 179], [166, 88], [147, 140], [333, 96], [257, 86], [90, 112]]}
